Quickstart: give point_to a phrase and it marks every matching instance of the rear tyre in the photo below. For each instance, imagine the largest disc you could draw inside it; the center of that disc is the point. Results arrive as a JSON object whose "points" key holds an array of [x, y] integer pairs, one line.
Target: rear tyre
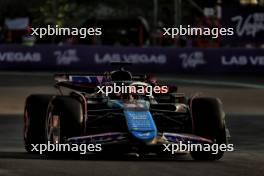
{"points": [[209, 122], [34, 120]]}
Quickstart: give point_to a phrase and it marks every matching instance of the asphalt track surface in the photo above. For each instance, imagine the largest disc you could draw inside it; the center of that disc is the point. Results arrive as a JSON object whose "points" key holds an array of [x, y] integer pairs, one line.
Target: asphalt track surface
{"points": [[245, 120]]}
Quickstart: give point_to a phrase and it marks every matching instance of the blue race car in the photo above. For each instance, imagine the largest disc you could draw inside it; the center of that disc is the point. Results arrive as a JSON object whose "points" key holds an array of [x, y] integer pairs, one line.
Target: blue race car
{"points": [[85, 111]]}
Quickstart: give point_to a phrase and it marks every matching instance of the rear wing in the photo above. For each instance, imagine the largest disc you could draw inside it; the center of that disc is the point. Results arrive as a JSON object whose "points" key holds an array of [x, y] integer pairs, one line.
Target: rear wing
{"points": [[85, 82], [81, 78], [79, 82], [90, 78]]}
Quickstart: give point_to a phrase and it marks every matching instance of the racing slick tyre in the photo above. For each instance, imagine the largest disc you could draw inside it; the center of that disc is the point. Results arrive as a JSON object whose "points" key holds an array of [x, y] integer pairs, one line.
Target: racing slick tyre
{"points": [[208, 122], [64, 119], [34, 120]]}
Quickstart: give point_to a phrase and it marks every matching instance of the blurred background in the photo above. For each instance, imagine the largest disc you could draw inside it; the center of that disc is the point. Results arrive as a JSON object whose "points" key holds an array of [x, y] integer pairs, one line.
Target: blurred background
{"points": [[132, 31], [131, 22]]}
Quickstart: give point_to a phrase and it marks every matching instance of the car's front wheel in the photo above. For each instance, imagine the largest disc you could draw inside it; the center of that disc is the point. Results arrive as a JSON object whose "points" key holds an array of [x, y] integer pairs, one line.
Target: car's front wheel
{"points": [[34, 119], [208, 122], [64, 119]]}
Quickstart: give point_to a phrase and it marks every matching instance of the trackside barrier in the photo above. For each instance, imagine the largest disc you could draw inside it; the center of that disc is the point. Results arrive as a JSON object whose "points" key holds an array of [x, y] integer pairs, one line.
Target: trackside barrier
{"points": [[152, 59]]}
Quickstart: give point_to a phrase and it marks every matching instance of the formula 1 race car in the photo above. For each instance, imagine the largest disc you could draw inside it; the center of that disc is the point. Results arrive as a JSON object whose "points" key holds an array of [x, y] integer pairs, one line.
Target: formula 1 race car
{"points": [[88, 110]]}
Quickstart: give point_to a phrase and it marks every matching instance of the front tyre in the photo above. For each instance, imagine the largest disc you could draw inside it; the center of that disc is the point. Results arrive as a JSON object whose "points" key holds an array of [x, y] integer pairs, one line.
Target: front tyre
{"points": [[34, 120], [208, 122], [64, 119]]}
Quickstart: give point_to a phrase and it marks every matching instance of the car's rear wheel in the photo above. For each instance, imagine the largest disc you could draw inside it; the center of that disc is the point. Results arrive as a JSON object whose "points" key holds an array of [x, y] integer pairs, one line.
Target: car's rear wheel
{"points": [[34, 120], [208, 122]]}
